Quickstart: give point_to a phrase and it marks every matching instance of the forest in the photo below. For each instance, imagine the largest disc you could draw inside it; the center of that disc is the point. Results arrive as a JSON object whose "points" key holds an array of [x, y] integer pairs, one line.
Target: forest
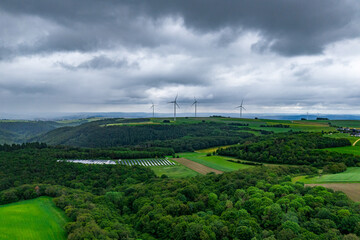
{"points": [[181, 137], [121, 202], [292, 148]]}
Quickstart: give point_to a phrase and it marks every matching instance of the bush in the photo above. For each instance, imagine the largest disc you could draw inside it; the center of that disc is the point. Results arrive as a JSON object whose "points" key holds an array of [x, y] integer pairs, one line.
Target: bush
{"points": [[335, 168]]}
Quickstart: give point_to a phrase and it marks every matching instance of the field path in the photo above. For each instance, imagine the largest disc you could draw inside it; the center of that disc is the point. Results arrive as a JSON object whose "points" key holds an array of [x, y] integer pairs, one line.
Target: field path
{"points": [[202, 169], [356, 142], [352, 190]]}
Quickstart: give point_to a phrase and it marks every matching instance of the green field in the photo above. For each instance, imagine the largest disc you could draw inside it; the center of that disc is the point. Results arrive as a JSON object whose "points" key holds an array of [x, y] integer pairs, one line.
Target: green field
{"points": [[177, 171], [351, 175], [297, 125], [32, 219], [216, 162], [348, 149], [213, 149], [343, 135]]}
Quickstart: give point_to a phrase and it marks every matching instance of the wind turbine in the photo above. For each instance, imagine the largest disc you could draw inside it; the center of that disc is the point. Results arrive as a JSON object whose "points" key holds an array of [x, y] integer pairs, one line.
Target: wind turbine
{"points": [[241, 108], [153, 108], [175, 105], [195, 103]]}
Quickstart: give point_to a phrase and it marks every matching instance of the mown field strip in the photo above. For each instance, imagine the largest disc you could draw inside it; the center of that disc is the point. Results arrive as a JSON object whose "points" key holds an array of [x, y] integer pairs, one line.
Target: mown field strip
{"points": [[196, 166]]}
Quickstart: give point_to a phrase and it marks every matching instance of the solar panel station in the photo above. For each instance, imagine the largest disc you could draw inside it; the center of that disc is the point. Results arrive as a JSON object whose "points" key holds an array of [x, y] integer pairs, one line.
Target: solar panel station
{"points": [[128, 162]]}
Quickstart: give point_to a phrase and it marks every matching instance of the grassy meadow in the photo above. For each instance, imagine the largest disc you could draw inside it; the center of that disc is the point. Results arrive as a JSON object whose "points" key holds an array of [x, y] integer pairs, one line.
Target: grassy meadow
{"points": [[177, 171], [216, 162], [36, 219], [351, 175]]}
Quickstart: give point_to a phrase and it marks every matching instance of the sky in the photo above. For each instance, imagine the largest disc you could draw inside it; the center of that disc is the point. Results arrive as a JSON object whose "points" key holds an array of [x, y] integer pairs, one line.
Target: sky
{"points": [[280, 56]]}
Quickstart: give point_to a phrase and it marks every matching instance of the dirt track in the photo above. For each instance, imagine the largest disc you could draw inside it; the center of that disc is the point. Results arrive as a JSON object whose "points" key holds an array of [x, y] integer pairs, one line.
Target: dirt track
{"points": [[350, 189], [196, 166]]}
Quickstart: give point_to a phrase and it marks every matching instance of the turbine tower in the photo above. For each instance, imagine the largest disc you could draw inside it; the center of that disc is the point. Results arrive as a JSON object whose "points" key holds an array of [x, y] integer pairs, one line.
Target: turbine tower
{"points": [[153, 109], [195, 103], [175, 105], [241, 108]]}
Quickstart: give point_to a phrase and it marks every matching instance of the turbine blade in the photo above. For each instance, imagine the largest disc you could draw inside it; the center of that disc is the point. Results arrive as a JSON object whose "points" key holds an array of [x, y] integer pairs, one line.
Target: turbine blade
{"points": [[177, 105], [244, 108]]}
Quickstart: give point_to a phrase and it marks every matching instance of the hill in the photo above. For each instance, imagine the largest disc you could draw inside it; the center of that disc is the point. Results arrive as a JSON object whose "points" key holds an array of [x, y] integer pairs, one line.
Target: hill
{"points": [[181, 136], [21, 131]]}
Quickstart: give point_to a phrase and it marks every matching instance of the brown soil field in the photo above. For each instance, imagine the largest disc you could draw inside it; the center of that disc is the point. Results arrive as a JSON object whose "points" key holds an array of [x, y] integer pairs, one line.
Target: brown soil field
{"points": [[352, 190], [202, 169]]}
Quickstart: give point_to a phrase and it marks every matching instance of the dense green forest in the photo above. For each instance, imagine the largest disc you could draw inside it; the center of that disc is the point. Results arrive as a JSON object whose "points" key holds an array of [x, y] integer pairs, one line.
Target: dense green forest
{"points": [[181, 137], [292, 148], [22, 131], [120, 202]]}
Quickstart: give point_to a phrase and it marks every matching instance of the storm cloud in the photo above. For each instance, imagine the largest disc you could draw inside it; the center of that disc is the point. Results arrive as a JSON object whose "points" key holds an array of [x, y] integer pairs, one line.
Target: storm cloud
{"points": [[281, 55]]}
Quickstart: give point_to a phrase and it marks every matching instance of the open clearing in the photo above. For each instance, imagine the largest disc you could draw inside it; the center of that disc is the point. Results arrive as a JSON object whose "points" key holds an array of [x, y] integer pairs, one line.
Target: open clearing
{"points": [[351, 175], [177, 171], [32, 219], [352, 190], [216, 162], [196, 166], [348, 149], [211, 150]]}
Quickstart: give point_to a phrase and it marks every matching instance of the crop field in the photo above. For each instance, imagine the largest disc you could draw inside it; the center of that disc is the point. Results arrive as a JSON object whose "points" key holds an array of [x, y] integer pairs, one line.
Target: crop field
{"points": [[200, 168], [217, 162], [351, 175], [36, 219], [147, 162], [346, 123]]}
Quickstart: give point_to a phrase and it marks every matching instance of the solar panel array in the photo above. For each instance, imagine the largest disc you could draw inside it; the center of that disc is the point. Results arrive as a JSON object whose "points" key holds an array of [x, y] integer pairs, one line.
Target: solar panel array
{"points": [[127, 162], [147, 162]]}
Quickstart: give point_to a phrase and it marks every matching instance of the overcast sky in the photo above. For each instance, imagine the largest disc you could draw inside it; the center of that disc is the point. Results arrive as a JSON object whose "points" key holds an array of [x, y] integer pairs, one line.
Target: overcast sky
{"points": [[285, 56]]}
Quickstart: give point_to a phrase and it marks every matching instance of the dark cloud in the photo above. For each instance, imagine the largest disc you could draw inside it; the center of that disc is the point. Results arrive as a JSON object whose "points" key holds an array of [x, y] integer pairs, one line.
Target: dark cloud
{"points": [[289, 27], [279, 53]]}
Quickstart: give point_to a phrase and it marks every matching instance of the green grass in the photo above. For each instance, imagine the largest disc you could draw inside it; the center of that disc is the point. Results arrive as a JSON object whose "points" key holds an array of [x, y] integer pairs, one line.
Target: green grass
{"points": [[177, 171], [351, 175], [213, 149], [216, 162], [346, 123], [348, 149], [343, 135], [32, 219]]}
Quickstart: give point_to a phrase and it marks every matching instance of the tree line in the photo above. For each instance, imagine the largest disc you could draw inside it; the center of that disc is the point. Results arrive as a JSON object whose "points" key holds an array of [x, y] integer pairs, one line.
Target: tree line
{"points": [[292, 148]]}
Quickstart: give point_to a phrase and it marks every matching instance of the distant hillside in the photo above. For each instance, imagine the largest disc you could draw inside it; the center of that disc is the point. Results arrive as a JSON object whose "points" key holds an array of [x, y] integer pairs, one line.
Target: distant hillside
{"points": [[132, 132], [23, 131]]}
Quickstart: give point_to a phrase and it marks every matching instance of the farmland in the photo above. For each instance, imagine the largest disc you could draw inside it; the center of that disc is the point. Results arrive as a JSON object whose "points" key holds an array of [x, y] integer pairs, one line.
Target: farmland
{"points": [[351, 175], [36, 219], [177, 171], [217, 162]]}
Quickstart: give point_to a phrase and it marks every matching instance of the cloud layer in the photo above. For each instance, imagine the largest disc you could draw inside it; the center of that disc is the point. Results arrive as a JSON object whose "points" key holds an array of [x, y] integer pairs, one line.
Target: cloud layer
{"points": [[280, 56]]}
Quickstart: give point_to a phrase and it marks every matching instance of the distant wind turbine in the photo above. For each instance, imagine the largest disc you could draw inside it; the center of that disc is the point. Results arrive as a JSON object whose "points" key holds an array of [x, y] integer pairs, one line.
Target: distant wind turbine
{"points": [[153, 108], [175, 105], [195, 103], [241, 108]]}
